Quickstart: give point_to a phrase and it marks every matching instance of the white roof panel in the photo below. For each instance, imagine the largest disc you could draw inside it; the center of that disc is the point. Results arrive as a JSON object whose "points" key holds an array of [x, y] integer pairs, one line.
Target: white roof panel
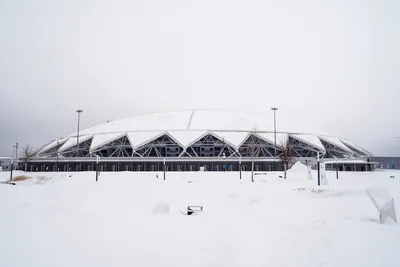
{"points": [[310, 139], [280, 137], [185, 138], [354, 146], [53, 144], [163, 121], [102, 139], [72, 142], [233, 138], [225, 120], [335, 141], [138, 139]]}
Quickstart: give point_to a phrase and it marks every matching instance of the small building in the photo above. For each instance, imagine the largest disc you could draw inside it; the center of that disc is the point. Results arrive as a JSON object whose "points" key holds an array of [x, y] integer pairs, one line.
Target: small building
{"points": [[392, 163]]}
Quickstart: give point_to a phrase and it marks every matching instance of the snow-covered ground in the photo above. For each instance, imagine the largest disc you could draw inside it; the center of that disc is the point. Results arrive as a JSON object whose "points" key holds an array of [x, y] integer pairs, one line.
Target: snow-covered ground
{"points": [[70, 220]]}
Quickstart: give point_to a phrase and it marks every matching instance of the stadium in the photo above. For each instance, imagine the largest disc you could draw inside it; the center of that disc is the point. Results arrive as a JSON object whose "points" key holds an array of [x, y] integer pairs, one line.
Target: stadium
{"points": [[190, 140]]}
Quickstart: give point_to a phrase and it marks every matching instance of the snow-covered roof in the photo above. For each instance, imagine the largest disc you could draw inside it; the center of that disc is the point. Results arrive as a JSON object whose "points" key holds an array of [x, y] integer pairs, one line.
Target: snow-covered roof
{"points": [[270, 137], [354, 146], [52, 144], [335, 141], [310, 139], [235, 139], [188, 126], [102, 139], [137, 139], [185, 138], [72, 142]]}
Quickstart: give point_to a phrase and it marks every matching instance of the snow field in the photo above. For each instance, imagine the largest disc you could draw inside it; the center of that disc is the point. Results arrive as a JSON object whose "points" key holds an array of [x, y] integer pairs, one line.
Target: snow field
{"points": [[74, 221]]}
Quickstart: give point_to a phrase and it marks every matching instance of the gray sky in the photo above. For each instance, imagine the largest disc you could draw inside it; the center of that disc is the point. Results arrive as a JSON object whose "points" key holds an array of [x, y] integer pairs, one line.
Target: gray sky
{"points": [[331, 65]]}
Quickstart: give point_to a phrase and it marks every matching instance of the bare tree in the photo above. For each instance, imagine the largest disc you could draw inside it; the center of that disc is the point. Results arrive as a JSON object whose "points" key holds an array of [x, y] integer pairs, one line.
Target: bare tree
{"points": [[26, 155], [254, 150], [285, 154]]}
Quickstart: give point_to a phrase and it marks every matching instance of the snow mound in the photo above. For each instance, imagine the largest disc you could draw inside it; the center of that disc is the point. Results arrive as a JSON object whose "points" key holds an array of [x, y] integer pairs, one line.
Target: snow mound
{"points": [[298, 167], [384, 203]]}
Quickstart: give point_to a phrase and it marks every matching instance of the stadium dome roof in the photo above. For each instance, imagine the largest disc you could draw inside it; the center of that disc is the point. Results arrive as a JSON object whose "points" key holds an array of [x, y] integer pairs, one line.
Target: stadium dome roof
{"points": [[188, 126]]}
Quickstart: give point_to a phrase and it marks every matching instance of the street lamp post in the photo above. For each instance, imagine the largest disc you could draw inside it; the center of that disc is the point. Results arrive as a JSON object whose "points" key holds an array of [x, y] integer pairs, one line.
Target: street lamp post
{"points": [[57, 153], [337, 169], [16, 150], [240, 168], [79, 111], [223, 157], [13, 154], [319, 170], [11, 169], [274, 109], [164, 168], [97, 167]]}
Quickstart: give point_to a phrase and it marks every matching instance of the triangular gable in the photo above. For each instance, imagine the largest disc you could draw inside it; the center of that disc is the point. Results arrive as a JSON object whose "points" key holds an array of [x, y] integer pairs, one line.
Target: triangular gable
{"points": [[336, 142], [138, 139], [52, 145], [270, 137], [72, 142], [185, 138], [235, 139], [102, 139], [355, 147], [310, 139]]}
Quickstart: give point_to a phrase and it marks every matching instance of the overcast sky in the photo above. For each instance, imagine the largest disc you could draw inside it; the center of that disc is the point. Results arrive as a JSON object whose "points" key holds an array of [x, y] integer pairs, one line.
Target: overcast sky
{"points": [[333, 65]]}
